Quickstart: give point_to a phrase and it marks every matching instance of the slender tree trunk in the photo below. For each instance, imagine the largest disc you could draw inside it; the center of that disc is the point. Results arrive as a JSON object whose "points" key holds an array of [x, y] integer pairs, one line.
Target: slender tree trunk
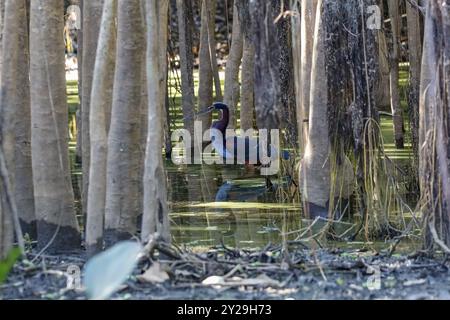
{"points": [[92, 13], [434, 129], [15, 101], [101, 101], [308, 18], [296, 20], [315, 167], [206, 78], [248, 86], [54, 202], [248, 67], [415, 58], [185, 31], [2, 22], [394, 60], [287, 79], [6, 236], [383, 89], [267, 68], [79, 148], [232, 88], [156, 218], [124, 154]]}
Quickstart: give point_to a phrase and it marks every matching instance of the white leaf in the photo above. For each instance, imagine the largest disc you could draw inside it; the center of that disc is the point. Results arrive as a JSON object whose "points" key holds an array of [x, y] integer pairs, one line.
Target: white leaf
{"points": [[107, 271]]}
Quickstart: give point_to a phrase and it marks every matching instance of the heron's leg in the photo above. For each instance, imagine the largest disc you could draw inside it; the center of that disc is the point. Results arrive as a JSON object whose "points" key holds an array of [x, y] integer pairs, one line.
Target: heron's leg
{"points": [[269, 184]]}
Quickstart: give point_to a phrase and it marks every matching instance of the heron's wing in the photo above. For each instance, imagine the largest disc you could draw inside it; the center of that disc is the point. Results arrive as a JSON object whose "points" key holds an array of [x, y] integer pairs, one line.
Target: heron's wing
{"points": [[246, 149]]}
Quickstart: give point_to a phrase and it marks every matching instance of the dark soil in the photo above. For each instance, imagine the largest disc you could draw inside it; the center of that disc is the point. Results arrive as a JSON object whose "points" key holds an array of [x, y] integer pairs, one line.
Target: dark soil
{"points": [[267, 274]]}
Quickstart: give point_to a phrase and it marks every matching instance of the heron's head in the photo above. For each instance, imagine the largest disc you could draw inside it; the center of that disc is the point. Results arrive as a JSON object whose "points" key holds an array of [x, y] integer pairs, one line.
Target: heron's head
{"points": [[214, 107], [219, 106]]}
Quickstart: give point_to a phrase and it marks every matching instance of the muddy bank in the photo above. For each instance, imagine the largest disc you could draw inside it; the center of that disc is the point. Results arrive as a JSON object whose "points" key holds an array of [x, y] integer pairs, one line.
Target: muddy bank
{"points": [[223, 273]]}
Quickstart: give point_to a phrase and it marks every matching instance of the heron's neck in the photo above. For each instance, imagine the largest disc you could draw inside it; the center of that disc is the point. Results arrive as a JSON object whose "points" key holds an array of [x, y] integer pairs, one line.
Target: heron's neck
{"points": [[222, 124]]}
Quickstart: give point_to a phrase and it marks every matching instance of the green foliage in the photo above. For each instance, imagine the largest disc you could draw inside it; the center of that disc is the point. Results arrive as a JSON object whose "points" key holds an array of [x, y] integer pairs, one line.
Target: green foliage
{"points": [[7, 264]]}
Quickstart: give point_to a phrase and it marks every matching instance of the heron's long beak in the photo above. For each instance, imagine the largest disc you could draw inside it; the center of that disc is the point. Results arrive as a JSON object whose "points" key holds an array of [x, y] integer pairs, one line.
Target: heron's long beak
{"points": [[200, 113], [205, 111]]}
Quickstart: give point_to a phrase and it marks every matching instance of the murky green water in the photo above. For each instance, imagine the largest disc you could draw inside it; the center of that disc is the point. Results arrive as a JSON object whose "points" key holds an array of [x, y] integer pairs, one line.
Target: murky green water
{"points": [[211, 204]]}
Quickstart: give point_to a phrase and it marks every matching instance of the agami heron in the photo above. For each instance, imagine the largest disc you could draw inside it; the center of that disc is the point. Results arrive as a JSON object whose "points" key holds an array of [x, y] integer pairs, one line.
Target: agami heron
{"points": [[238, 149]]}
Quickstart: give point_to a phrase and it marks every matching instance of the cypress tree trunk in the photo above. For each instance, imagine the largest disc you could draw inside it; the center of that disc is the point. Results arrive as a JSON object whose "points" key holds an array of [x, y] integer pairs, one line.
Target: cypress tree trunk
{"points": [[156, 218], [315, 167], [124, 153], [185, 31], [101, 101], [54, 201], [248, 86], [248, 67], [92, 13], [267, 56], [308, 19], [415, 58], [434, 134], [2, 22], [206, 55], [15, 107], [231, 97], [394, 59]]}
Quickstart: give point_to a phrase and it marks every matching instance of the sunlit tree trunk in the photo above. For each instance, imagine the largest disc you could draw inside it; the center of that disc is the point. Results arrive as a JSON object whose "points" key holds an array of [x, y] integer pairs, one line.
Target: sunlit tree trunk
{"points": [[124, 154], [394, 59], [434, 131], [308, 19], [92, 13], [156, 218], [54, 201], [101, 101], [232, 88], [315, 166], [15, 107]]}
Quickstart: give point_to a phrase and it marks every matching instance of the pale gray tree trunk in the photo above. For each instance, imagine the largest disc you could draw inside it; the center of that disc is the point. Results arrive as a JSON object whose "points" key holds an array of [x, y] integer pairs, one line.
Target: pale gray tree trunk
{"points": [[434, 132], [268, 104], [15, 105], [383, 89], [92, 13], [124, 154], [315, 166], [156, 217], [248, 68], [248, 86], [232, 88], [2, 12], [308, 18], [101, 101], [185, 31], [206, 55], [54, 201], [394, 59]]}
